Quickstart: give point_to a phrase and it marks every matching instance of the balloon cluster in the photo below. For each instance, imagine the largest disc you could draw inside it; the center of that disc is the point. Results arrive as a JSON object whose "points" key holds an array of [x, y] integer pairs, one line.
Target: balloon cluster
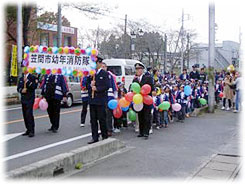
{"points": [[136, 98], [231, 68], [61, 50]]}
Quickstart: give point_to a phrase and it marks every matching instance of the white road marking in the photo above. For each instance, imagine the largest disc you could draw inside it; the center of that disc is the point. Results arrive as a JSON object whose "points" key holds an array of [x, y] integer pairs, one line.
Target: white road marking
{"points": [[46, 147], [11, 136], [12, 109]]}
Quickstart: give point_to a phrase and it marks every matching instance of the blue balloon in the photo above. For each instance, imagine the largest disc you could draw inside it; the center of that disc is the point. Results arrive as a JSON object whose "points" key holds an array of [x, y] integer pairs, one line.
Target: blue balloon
{"points": [[187, 90], [55, 50], [125, 108], [88, 51], [93, 65], [40, 49], [69, 72], [112, 104], [26, 49], [63, 71], [38, 70]]}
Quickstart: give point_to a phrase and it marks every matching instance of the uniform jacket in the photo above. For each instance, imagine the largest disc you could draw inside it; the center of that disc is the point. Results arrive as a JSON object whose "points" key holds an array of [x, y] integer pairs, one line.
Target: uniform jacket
{"points": [[146, 79], [84, 90], [182, 77], [102, 84], [61, 87], [31, 85]]}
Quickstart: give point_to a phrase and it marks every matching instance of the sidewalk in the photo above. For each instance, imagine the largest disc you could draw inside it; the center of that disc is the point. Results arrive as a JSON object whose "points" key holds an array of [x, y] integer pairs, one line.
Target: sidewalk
{"points": [[224, 165]]}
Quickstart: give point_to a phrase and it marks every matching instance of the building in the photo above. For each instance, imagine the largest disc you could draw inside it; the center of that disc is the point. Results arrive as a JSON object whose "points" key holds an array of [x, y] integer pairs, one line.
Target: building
{"points": [[226, 53]]}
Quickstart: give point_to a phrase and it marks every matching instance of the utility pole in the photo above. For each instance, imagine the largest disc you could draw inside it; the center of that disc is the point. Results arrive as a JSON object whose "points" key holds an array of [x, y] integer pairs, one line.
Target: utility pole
{"points": [[165, 52], [188, 50], [59, 27], [182, 41], [19, 38], [211, 56], [125, 33]]}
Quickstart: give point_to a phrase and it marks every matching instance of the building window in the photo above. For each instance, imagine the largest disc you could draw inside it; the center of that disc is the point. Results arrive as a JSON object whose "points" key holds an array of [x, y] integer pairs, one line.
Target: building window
{"points": [[55, 41], [68, 41], [44, 39]]}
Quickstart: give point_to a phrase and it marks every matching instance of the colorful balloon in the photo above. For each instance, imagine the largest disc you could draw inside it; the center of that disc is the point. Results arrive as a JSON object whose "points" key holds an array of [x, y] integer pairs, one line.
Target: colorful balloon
{"points": [[60, 50], [40, 49], [129, 96], [221, 95], [132, 115], [135, 87], [176, 107], [32, 48], [123, 102], [137, 99], [117, 113], [148, 100], [125, 108], [45, 49], [71, 50], [26, 49], [55, 50], [145, 89], [94, 52], [88, 51], [43, 105], [59, 71], [48, 71], [54, 71], [50, 51], [43, 71], [138, 107], [66, 50], [203, 101], [165, 105], [36, 103], [187, 90], [112, 104], [83, 51], [38, 70]]}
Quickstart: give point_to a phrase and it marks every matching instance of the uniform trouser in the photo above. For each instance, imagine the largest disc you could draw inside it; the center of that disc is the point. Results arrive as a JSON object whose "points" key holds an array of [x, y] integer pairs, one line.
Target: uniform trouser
{"points": [[156, 117], [84, 112], [98, 113], [144, 121], [165, 117], [27, 110], [109, 119], [181, 113], [54, 113]]}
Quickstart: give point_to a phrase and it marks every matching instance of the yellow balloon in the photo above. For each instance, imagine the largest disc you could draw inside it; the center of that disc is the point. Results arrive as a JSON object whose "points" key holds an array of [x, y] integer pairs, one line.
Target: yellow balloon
{"points": [[138, 99], [54, 71], [29, 70], [66, 50], [25, 56]]}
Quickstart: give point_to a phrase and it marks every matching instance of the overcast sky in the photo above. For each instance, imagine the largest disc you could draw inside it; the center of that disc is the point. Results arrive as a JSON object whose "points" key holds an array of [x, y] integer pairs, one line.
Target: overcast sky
{"points": [[164, 13]]}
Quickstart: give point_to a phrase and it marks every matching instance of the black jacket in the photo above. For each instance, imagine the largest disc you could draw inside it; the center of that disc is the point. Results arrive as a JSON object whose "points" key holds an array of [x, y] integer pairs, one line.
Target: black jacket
{"points": [[31, 85], [146, 79], [102, 84]]}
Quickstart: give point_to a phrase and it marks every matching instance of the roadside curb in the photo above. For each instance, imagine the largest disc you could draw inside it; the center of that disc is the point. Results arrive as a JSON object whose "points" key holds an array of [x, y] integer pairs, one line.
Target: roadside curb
{"points": [[66, 162]]}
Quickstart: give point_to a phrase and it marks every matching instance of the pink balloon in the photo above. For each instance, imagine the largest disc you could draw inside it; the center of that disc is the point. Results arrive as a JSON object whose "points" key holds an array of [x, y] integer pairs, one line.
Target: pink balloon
{"points": [[43, 104], [138, 107], [145, 89], [176, 107]]}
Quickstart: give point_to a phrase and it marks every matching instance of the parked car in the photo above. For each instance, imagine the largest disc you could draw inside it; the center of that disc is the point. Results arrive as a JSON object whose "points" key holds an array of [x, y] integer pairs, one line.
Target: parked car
{"points": [[123, 69]]}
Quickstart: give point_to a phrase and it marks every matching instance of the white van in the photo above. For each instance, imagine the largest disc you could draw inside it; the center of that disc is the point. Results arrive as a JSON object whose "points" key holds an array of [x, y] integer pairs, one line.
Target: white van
{"points": [[123, 69]]}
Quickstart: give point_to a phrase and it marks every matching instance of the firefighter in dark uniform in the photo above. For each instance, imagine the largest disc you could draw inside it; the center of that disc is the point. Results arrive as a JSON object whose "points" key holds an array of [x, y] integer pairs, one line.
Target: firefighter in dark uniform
{"points": [[26, 87], [145, 114], [54, 89], [98, 86]]}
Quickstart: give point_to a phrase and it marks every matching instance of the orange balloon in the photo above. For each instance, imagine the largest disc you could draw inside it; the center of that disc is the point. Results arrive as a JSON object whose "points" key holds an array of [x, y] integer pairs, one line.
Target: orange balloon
{"points": [[123, 102]]}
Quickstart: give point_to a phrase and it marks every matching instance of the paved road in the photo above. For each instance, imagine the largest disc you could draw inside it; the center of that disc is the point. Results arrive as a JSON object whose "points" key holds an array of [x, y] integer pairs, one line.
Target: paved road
{"points": [[22, 150], [173, 152]]}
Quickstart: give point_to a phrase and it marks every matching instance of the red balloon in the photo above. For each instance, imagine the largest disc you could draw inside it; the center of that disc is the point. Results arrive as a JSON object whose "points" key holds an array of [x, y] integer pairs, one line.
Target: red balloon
{"points": [[148, 100], [71, 50], [145, 89], [117, 113], [59, 71], [36, 103], [48, 71], [129, 96], [45, 49], [221, 95], [83, 51]]}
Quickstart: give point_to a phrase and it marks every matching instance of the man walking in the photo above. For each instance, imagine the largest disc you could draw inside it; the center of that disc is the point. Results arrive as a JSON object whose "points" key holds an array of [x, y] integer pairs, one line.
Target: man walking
{"points": [[54, 89], [26, 87], [145, 114], [98, 86]]}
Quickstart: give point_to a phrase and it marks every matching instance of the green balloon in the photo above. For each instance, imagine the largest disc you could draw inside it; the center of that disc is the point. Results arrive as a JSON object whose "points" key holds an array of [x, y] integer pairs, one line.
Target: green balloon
{"points": [[203, 101], [164, 105], [135, 87], [132, 115]]}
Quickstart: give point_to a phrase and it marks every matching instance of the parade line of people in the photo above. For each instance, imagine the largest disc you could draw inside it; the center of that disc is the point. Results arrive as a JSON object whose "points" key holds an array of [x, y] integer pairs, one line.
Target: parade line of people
{"points": [[99, 89]]}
